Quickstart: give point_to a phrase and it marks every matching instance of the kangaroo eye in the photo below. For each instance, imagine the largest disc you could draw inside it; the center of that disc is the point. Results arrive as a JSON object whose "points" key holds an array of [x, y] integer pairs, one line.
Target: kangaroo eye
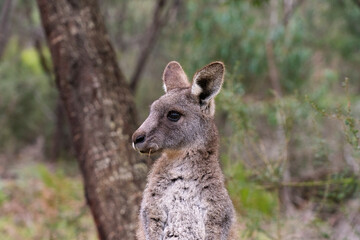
{"points": [[173, 116]]}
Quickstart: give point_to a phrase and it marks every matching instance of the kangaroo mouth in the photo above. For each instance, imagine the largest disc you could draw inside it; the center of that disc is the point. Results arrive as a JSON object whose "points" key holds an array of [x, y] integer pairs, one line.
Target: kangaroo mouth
{"points": [[149, 150]]}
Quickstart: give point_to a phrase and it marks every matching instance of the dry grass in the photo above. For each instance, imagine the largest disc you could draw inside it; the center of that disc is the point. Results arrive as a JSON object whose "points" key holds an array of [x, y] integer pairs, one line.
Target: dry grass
{"points": [[41, 201]]}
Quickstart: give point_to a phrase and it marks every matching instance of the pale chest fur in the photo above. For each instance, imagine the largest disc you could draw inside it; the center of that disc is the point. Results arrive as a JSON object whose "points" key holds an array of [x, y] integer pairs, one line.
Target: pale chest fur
{"points": [[177, 197]]}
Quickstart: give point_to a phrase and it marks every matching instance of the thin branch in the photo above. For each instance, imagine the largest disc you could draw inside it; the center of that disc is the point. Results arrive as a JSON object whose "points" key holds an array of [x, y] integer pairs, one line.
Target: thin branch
{"points": [[273, 70], [44, 64], [319, 183], [271, 60], [120, 23], [290, 8], [5, 25], [162, 14]]}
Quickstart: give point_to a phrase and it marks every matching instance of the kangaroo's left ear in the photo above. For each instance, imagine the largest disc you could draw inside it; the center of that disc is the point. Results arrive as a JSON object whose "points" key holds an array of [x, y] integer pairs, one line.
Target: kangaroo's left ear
{"points": [[207, 84], [174, 77]]}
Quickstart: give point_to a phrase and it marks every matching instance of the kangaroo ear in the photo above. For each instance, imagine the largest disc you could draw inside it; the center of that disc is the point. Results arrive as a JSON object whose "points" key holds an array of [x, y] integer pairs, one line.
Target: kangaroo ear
{"points": [[174, 77], [207, 84]]}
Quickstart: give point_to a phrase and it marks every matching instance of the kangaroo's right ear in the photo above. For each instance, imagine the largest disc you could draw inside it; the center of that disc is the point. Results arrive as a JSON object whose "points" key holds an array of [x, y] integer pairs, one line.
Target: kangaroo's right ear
{"points": [[174, 77], [207, 84]]}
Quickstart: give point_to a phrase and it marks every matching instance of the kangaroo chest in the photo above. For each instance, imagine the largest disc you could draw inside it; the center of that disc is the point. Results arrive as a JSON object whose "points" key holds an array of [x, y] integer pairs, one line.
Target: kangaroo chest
{"points": [[178, 196]]}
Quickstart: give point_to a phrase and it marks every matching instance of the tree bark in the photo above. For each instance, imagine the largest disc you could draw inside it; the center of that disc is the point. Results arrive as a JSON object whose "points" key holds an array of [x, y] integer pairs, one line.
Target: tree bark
{"points": [[101, 113]]}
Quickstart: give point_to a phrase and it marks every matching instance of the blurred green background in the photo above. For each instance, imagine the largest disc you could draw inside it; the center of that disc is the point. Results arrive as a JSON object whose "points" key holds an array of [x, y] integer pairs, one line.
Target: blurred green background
{"points": [[288, 113]]}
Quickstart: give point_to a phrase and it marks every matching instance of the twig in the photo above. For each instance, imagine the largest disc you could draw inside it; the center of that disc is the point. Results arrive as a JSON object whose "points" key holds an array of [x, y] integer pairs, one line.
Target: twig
{"points": [[161, 16], [308, 184], [44, 64], [290, 8]]}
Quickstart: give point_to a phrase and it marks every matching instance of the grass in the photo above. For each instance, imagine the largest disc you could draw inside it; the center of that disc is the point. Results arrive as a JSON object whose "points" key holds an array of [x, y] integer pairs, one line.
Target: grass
{"points": [[42, 203]]}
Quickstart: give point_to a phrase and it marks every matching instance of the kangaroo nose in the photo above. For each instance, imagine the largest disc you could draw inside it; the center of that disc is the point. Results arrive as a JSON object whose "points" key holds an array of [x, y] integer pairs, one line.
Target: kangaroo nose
{"points": [[139, 139]]}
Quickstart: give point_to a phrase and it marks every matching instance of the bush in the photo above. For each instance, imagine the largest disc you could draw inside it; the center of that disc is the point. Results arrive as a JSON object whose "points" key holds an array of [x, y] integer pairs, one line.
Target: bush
{"points": [[27, 98]]}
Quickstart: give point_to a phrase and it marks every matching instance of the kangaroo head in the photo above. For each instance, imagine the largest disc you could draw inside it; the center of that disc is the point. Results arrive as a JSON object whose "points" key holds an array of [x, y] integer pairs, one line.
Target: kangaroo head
{"points": [[183, 117]]}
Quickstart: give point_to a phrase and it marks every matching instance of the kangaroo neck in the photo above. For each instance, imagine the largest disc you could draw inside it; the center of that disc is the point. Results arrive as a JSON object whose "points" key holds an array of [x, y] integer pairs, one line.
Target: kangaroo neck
{"points": [[195, 155]]}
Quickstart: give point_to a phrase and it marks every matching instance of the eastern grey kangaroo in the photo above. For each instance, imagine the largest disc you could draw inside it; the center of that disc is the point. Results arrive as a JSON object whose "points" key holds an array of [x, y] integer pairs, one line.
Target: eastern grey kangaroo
{"points": [[185, 196]]}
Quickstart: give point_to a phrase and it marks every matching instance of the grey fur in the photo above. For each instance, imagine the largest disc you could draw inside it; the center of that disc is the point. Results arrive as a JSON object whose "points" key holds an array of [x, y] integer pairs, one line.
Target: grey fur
{"points": [[185, 196]]}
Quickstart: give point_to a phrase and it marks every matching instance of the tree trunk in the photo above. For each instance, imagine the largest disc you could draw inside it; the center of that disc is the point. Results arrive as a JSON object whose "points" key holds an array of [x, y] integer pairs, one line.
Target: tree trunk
{"points": [[6, 9], [284, 191], [101, 113]]}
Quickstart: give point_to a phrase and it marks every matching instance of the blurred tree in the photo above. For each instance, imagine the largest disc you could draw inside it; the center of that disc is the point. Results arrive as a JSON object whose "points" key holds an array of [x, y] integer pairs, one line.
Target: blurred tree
{"points": [[161, 16], [273, 69], [101, 112], [5, 13]]}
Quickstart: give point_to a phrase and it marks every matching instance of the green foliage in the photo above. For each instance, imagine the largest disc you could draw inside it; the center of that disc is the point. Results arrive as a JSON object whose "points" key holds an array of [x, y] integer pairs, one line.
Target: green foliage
{"points": [[349, 188], [229, 31], [27, 98], [224, 31], [2, 196], [345, 35], [30, 60], [250, 198], [268, 134], [343, 113]]}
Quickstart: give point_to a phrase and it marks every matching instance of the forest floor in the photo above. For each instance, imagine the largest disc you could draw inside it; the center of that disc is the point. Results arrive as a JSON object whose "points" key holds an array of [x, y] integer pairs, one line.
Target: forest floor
{"points": [[42, 200]]}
